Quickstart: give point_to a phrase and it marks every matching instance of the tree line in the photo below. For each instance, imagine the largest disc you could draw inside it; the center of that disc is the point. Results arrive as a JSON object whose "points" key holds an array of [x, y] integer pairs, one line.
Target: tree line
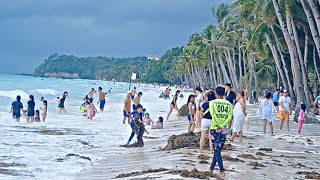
{"points": [[257, 44], [101, 68]]}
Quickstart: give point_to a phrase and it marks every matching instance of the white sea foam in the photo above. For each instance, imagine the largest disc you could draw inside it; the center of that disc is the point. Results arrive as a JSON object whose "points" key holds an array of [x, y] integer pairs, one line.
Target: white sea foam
{"points": [[47, 91], [13, 94]]}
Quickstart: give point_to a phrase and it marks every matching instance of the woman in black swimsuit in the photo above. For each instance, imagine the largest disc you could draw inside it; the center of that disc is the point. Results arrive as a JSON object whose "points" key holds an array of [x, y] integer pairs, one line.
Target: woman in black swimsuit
{"points": [[30, 109], [174, 105], [61, 102]]}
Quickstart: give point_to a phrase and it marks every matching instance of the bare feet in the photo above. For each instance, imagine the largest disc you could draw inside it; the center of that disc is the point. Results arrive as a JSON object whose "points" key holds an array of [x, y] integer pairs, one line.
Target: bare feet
{"points": [[222, 174]]}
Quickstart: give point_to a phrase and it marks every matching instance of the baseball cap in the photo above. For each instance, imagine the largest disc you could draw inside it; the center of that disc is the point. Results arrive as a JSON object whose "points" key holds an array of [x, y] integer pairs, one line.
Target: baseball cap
{"points": [[229, 84], [129, 92], [285, 91]]}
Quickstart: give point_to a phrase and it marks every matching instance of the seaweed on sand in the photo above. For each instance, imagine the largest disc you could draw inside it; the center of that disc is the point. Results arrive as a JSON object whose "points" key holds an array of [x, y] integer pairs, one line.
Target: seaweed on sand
{"points": [[138, 173], [309, 175], [188, 140], [194, 174]]}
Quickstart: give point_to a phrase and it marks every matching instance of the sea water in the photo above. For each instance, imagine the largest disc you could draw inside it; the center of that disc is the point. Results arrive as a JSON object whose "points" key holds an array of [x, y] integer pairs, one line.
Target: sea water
{"points": [[66, 143]]}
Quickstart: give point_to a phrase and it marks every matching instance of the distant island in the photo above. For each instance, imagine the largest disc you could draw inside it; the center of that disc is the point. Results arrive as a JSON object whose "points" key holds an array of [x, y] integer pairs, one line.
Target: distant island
{"points": [[148, 69]]}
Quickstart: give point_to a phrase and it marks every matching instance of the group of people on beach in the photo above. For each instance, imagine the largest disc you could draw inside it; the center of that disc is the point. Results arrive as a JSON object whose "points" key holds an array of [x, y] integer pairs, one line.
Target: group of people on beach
{"points": [[137, 117], [221, 111], [88, 106], [30, 113]]}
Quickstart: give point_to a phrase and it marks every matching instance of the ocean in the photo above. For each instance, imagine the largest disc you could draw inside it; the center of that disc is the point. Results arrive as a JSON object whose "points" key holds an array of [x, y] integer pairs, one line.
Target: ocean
{"points": [[66, 143]]}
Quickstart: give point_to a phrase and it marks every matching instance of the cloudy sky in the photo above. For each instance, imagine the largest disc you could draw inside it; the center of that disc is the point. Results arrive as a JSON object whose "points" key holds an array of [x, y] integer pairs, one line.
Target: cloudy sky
{"points": [[31, 30]]}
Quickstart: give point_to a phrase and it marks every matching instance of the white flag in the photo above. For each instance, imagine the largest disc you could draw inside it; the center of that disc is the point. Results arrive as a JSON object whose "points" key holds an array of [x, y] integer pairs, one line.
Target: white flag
{"points": [[133, 76]]}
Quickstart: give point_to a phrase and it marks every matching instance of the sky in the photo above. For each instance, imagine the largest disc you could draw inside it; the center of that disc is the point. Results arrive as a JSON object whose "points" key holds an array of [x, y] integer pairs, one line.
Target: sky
{"points": [[31, 30]]}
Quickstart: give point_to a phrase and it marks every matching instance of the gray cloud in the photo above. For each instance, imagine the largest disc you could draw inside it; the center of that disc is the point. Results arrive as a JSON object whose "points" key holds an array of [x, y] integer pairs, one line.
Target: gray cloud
{"points": [[33, 29]]}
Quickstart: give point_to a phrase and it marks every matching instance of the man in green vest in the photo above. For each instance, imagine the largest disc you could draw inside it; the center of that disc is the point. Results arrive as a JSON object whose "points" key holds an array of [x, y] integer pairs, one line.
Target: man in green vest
{"points": [[221, 112]]}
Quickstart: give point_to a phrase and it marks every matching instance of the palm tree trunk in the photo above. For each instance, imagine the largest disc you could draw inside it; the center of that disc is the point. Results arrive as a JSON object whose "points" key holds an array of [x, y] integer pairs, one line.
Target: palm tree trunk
{"points": [[254, 73], [213, 71], [312, 26], [245, 78], [275, 54], [240, 66], [306, 49], [251, 69], [193, 76], [223, 68], [278, 78], [301, 58], [284, 64], [210, 75], [230, 66], [235, 77], [315, 10], [293, 54], [197, 75], [315, 65]]}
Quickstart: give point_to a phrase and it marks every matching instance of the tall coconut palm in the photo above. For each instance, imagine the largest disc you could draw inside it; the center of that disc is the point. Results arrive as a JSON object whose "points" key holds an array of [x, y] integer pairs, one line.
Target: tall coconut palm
{"points": [[293, 53]]}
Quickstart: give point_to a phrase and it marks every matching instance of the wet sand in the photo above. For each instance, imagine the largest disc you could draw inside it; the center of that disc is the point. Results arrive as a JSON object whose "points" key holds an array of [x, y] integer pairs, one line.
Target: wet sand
{"points": [[285, 155]]}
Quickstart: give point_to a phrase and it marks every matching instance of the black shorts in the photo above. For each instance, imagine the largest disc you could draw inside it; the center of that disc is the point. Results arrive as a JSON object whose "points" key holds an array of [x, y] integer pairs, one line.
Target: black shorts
{"points": [[275, 104]]}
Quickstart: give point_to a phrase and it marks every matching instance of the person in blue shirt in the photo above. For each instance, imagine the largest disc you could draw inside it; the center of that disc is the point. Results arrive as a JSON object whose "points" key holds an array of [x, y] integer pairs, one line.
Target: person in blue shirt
{"points": [[137, 126], [16, 109], [276, 98]]}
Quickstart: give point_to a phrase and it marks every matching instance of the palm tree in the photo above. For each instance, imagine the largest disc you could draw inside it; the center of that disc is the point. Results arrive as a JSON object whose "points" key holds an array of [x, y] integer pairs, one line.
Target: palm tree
{"points": [[293, 53]]}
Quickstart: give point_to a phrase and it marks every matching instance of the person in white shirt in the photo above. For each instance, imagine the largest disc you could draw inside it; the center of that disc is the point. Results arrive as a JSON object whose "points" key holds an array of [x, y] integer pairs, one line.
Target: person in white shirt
{"points": [[285, 109]]}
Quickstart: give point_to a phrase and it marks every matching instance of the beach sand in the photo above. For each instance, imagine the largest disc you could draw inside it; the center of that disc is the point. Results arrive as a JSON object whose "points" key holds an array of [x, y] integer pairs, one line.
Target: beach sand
{"points": [[285, 155]]}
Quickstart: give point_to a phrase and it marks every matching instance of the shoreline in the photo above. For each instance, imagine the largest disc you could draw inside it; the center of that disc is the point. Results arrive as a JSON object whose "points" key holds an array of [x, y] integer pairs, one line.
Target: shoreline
{"points": [[289, 154]]}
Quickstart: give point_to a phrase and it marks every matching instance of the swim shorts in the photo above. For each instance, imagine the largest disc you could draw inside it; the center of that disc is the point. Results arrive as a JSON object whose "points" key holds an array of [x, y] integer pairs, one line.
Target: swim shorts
{"points": [[125, 114], [102, 103], [283, 116]]}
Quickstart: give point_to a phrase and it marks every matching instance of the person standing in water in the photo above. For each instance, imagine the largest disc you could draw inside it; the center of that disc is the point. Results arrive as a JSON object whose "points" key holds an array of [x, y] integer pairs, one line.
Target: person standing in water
{"points": [[92, 110], [91, 93], [30, 109], [267, 107], [134, 92], [62, 101], [102, 99], [44, 110], [221, 113], [239, 114], [16, 109], [135, 116], [136, 101], [127, 108], [37, 116], [285, 109], [174, 105]]}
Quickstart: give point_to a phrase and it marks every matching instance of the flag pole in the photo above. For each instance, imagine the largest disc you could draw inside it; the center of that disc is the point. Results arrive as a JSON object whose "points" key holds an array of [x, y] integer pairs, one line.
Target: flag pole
{"points": [[130, 82]]}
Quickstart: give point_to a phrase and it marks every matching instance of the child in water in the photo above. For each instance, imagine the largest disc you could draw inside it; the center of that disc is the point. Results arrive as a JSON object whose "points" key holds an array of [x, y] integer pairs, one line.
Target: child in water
{"points": [[44, 110], [302, 117], [159, 124], [37, 116], [147, 120], [92, 109]]}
